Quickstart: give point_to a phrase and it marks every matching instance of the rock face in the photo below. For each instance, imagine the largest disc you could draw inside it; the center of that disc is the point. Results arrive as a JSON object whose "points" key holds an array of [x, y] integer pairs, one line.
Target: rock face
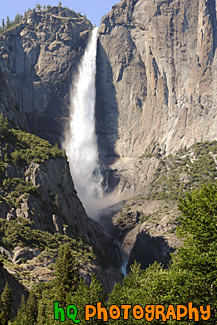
{"points": [[17, 292], [145, 231], [38, 59], [57, 208], [156, 83], [39, 192]]}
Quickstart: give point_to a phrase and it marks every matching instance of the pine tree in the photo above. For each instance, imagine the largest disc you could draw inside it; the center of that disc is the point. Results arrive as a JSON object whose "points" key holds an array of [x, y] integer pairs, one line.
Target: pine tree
{"points": [[28, 311], [85, 295], [21, 318], [32, 308], [6, 300], [8, 23], [38, 6], [66, 273], [3, 125], [17, 19]]}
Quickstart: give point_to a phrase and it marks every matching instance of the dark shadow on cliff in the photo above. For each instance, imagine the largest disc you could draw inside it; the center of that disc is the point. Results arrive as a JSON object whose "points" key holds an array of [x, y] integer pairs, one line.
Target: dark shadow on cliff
{"points": [[211, 6], [52, 123], [147, 250], [106, 117], [40, 103], [18, 290]]}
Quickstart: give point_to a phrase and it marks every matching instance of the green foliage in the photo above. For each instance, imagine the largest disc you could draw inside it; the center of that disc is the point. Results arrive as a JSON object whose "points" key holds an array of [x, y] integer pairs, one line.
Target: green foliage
{"points": [[187, 170], [85, 295], [5, 303], [27, 147], [2, 169], [32, 148], [199, 226], [66, 273], [10, 23], [192, 275], [14, 188], [28, 311], [4, 125], [38, 6], [21, 318], [19, 148], [20, 232], [67, 288]]}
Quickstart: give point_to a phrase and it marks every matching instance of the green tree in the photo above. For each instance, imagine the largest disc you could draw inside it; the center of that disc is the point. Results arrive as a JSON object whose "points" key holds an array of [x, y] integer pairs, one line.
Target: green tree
{"points": [[84, 295], [21, 318], [192, 275], [8, 23], [142, 287], [17, 19], [28, 311], [32, 308], [66, 273], [38, 6], [4, 125], [6, 301], [197, 259]]}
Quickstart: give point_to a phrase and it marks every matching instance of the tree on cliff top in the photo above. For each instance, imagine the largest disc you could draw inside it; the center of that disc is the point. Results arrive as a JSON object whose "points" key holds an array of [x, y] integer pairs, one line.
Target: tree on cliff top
{"points": [[38, 6]]}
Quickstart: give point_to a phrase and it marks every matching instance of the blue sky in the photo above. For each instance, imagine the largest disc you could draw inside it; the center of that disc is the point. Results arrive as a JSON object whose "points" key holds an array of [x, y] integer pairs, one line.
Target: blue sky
{"points": [[94, 9]]}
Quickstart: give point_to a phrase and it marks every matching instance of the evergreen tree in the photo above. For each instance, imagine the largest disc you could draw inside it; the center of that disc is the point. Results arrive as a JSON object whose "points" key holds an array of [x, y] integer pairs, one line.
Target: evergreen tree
{"points": [[192, 275], [28, 311], [4, 125], [32, 308], [6, 300], [8, 23], [66, 273], [21, 318], [45, 307], [197, 259], [38, 6], [17, 19], [86, 295]]}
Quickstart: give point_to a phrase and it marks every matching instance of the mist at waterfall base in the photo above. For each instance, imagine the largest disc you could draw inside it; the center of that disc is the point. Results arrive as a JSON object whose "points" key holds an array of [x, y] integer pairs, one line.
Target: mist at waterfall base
{"points": [[80, 138]]}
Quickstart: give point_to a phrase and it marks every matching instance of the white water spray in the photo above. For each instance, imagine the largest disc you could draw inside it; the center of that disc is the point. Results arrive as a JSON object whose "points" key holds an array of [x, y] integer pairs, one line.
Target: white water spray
{"points": [[80, 140]]}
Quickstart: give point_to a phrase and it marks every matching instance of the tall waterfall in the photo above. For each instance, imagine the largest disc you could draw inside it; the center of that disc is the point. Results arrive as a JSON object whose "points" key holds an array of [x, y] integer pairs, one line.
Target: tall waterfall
{"points": [[80, 140]]}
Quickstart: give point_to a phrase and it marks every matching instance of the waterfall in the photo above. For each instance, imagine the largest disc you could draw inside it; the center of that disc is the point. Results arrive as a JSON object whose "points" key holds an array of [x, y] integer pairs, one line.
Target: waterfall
{"points": [[80, 139]]}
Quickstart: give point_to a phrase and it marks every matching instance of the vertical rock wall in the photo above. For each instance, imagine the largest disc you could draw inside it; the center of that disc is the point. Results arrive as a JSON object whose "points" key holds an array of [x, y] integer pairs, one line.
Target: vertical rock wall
{"points": [[38, 59], [156, 83]]}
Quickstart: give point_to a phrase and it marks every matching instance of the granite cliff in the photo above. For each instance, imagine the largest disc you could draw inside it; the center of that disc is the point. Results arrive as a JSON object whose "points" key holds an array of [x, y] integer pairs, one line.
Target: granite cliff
{"points": [[156, 85], [38, 59], [155, 94], [40, 209]]}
